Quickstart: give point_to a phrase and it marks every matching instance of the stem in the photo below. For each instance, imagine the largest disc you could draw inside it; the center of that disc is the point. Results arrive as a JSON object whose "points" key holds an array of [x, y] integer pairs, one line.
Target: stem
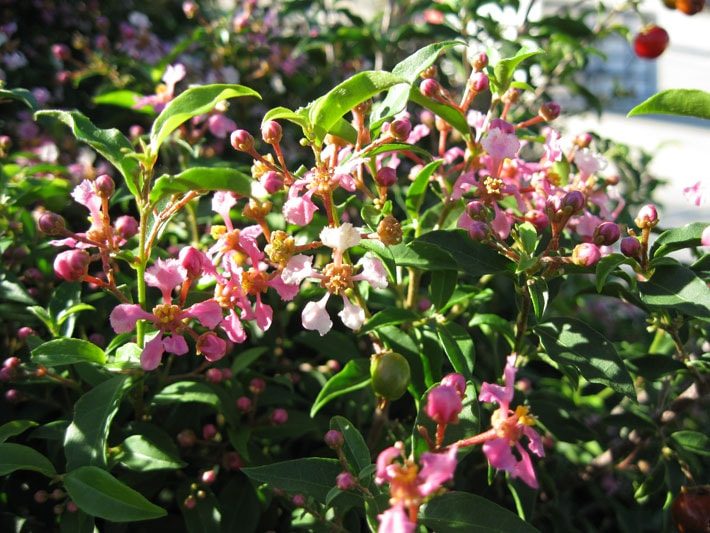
{"points": [[522, 321], [413, 289], [140, 273]]}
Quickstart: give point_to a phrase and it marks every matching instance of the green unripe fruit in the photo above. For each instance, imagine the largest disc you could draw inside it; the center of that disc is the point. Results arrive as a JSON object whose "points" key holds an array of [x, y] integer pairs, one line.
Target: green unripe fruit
{"points": [[390, 375]]}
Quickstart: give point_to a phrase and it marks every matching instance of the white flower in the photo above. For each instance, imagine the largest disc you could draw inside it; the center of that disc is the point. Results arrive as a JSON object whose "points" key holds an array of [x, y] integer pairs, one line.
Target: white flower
{"points": [[589, 162], [353, 316], [340, 238], [315, 316], [298, 268], [373, 271]]}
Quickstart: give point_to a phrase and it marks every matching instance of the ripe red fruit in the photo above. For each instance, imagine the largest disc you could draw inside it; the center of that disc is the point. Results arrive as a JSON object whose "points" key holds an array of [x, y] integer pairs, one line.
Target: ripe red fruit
{"points": [[651, 42]]}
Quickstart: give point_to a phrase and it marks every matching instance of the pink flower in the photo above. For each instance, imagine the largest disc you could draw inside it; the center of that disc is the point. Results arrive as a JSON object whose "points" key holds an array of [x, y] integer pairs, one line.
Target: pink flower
{"points": [[501, 144], [395, 520], [588, 162], [315, 317], [165, 275], [705, 237], [552, 146], [696, 194], [443, 405], [509, 427], [220, 126], [299, 210]]}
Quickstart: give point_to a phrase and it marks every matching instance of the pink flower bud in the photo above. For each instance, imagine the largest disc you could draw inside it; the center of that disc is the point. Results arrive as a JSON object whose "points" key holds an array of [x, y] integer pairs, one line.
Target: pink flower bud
{"points": [[101, 42], [573, 201], [480, 82], [299, 500], [98, 339], [190, 502], [630, 247], [12, 362], [208, 477], [279, 416], [244, 404], [57, 494], [430, 88], [61, 52], [72, 265], [191, 260], [214, 375], [24, 332], [457, 381], [606, 233], [400, 129], [227, 374], [126, 226], [257, 385], [705, 237], [480, 61], [502, 125], [583, 140], [135, 131], [187, 438], [105, 186], [647, 217], [232, 461], [71, 507], [242, 140], [209, 431], [550, 111], [586, 254], [51, 223], [271, 132], [477, 210], [63, 76], [386, 177], [12, 396], [345, 481], [6, 375], [538, 219], [443, 405], [5, 142], [334, 439], [41, 496], [189, 9], [478, 230], [211, 346], [272, 182]]}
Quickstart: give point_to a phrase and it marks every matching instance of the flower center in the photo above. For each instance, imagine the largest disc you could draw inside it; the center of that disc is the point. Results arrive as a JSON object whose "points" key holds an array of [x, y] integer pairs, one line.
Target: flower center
{"points": [[403, 486], [227, 295], [281, 247], [322, 182], [337, 278], [254, 282], [166, 313], [493, 185]]}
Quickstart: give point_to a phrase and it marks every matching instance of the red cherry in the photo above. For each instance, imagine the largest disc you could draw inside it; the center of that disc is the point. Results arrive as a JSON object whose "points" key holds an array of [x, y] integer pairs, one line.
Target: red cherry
{"points": [[651, 42]]}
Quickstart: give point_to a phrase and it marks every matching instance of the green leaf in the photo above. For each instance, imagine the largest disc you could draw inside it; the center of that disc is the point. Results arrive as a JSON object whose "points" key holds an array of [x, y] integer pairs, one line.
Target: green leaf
{"points": [[693, 441], [86, 436], [313, 476], [244, 359], [677, 287], [417, 190], [99, 494], [355, 449], [194, 101], [202, 179], [571, 342], [528, 237], [206, 516], [458, 347], [505, 68], [111, 144], [20, 95], [18, 457], [354, 376], [496, 323], [472, 257], [398, 147], [422, 255], [465, 512], [300, 116], [442, 286], [14, 428], [143, 453], [67, 351], [684, 102], [388, 317], [122, 98], [674, 239], [607, 265], [539, 296], [325, 112], [450, 114], [66, 314], [186, 392]]}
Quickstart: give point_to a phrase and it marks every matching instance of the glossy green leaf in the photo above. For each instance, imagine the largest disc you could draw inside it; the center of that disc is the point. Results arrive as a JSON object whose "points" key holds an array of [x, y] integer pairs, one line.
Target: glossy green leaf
{"points": [[122, 98], [300, 116], [202, 179], [684, 102], [144, 453], [18, 457], [67, 351], [325, 112], [99, 494], [417, 190], [687, 236], [465, 512], [496, 323], [187, 392], [399, 147], [471, 257], [388, 317], [111, 144], [693, 441], [20, 95], [355, 449], [244, 359], [312, 476], [442, 286], [191, 103], [505, 68], [677, 287], [571, 342], [450, 114], [86, 436], [14, 428], [539, 296], [354, 376], [423, 255], [607, 265], [458, 347]]}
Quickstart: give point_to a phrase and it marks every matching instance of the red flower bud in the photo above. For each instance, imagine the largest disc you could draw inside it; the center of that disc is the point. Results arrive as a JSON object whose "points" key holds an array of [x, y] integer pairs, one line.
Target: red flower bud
{"points": [[647, 217], [480, 82], [480, 61], [586, 254], [478, 230], [211, 346], [208, 477], [443, 404], [400, 129], [334, 439], [272, 182], [192, 260], [72, 265], [538, 219], [457, 381], [550, 111], [126, 226], [271, 132], [242, 140], [345, 481], [573, 201], [606, 233], [209, 431], [244, 404], [61, 52], [186, 438], [430, 88], [214, 375], [105, 186], [232, 461], [630, 247], [279, 416], [386, 177], [51, 223], [257, 386]]}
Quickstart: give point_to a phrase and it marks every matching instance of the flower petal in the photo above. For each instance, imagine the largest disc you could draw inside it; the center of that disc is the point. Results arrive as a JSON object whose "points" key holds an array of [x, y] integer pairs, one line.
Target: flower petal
{"points": [[124, 317], [499, 455], [353, 316], [437, 469], [315, 317], [209, 313], [165, 275], [152, 353], [175, 344]]}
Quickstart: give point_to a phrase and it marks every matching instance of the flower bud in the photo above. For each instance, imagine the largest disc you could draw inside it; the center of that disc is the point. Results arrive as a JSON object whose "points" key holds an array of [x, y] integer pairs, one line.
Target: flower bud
{"points": [[72, 265], [538, 219], [345, 481], [242, 140], [583, 140], [227, 374], [299, 500], [209, 431], [57, 494], [705, 237], [12, 396], [511, 96], [586, 254], [214, 375], [51, 223], [189, 9], [126, 226], [98, 339], [443, 405], [478, 230], [279, 416], [477, 210], [191, 260], [573, 201], [12, 362], [211, 346], [186, 438], [244, 404], [630, 247], [390, 374], [135, 131], [61, 52], [389, 230], [208, 477], [272, 182], [63, 76], [400, 129], [457, 381], [647, 217], [105, 186], [71, 507], [6, 375], [5, 142], [190, 502], [334, 439], [257, 386], [271, 132], [430, 88], [606, 233], [386, 177], [480, 82], [550, 111], [480, 61], [41, 496], [24, 332]]}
